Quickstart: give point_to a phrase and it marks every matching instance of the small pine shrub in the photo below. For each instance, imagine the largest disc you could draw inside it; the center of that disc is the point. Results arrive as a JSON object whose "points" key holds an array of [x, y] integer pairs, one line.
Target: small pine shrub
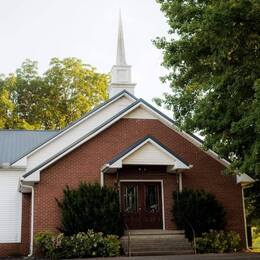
{"points": [[218, 242], [197, 209], [90, 207]]}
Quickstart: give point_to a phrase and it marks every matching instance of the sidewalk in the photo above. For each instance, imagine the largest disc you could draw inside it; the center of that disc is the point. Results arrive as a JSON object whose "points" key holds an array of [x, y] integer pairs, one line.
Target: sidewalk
{"points": [[238, 256]]}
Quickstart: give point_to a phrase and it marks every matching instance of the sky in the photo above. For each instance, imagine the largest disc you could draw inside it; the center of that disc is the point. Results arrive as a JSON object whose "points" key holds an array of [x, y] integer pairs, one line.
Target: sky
{"points": [[86, 29]]}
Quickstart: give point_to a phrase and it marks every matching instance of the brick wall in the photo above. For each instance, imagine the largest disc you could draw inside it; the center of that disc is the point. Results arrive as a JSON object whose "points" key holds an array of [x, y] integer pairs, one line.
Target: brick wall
{"points": [[85, 162]]}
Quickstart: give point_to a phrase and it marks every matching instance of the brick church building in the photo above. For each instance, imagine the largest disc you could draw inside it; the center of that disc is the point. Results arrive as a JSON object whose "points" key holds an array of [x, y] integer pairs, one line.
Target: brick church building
{"points": [[124, 142]]}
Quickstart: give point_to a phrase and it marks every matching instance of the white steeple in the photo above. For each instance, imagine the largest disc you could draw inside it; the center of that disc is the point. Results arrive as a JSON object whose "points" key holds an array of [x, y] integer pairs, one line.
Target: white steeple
{"points": [[120, 56], [121, 72]]}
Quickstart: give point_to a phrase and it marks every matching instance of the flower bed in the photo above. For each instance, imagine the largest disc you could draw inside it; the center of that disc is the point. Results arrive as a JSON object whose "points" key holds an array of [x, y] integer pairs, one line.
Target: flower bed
{"points": [[89, 244]]}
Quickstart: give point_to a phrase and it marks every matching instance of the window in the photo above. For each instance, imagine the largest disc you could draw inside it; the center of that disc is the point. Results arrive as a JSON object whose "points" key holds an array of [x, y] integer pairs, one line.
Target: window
{"points": [[151, 198], [131, 198]]}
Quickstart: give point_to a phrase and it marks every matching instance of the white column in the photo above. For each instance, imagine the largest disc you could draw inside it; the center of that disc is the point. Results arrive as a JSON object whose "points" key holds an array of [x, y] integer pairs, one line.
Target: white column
{"points": [[180, 181]]}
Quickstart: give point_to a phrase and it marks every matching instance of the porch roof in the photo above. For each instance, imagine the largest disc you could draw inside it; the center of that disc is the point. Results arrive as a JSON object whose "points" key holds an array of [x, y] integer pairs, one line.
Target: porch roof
{"points": [[147, 151]]}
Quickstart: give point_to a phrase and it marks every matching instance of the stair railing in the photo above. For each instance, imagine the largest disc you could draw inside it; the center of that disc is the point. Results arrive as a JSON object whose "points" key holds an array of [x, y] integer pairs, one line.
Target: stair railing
{"points": [[193, 235], [128, 240]]}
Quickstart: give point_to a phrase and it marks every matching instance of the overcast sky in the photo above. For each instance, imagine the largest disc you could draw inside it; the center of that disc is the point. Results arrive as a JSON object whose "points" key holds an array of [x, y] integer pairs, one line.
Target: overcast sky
{"points": [[86, 29]]}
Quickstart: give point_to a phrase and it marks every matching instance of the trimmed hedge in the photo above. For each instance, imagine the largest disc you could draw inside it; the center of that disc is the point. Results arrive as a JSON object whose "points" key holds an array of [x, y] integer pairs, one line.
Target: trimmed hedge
{"points": [[198, 209], [218, 242], [90, 206], [90, 244]]}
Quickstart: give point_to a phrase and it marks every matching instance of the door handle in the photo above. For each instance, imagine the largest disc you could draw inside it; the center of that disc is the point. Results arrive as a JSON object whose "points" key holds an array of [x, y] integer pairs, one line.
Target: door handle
{"points": [[139, 209]]}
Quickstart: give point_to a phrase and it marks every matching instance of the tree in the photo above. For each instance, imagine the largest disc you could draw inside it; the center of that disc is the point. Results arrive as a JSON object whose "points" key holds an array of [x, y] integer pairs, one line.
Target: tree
{"points": [[213, 57], [68, 89]]}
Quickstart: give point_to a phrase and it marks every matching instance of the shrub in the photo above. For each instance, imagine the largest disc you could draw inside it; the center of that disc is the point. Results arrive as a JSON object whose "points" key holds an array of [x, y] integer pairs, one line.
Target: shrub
{"points": [[90, 244], [218, 242], [50, 244], [198, 209], [90, 207]]}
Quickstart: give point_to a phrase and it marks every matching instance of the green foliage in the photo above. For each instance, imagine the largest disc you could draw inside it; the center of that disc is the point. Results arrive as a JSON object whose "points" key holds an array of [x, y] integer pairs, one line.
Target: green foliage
{"points": [[212, 53], [218, 242], [66, 90], [89, 244], [91, 207], [252, 200], [256, 236], [197, 210]]}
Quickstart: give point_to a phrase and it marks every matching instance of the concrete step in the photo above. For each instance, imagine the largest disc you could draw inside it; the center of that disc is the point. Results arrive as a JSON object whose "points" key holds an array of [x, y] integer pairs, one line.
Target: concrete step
{"points": [[160, 252], [154, 232], [156, 242], [154, 237]]}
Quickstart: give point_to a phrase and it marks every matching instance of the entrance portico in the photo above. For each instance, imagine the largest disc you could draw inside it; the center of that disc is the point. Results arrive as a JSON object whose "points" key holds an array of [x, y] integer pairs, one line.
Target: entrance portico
{"points": [[145, 174]]}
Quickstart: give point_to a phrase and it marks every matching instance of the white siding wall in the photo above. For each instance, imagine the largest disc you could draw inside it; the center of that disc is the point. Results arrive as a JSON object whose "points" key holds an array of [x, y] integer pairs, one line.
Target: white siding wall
{"points": [[149, 154], [140, 113], [75, 133], [10, 207]]}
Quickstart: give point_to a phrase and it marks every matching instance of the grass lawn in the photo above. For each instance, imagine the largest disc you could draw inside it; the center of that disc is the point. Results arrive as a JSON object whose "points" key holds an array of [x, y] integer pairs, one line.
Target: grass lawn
{"points": [[256, 244]]}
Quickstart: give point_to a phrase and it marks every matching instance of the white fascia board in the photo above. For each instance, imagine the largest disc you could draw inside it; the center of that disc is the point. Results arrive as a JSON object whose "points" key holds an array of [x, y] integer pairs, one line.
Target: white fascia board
{"points": [[23, 160], [187, 136], [21, 163], [164, 120], [244, 179], [35, 177], [88, 138], [13, 169], [178, 164]]}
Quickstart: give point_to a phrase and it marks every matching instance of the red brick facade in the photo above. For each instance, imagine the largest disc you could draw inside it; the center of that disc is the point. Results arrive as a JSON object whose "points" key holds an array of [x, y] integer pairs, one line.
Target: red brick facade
{"points": [[85, 162]]}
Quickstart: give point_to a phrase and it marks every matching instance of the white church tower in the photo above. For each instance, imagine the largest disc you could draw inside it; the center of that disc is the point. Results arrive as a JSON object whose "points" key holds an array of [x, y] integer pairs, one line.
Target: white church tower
{"points": [[121, 72]]}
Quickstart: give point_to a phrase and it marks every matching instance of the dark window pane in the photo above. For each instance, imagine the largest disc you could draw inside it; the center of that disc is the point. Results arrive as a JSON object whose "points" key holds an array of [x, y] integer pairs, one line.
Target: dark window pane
{"points": [[130, 198], [151, 198]]}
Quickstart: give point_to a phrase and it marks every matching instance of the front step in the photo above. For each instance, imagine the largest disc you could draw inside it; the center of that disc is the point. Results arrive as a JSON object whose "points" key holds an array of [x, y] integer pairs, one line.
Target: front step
{"points": [[155, 242]]}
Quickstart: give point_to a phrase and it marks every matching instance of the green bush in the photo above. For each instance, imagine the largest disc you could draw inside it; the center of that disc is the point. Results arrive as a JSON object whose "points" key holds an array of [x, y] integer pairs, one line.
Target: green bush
{"points": [[218, 242], [90, 244], [90, 207], [197, 209]]}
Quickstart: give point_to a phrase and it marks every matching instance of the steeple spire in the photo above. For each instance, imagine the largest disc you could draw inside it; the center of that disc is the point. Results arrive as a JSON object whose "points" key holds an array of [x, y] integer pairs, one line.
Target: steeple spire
{"points": [[121, 72], [120, 57]]}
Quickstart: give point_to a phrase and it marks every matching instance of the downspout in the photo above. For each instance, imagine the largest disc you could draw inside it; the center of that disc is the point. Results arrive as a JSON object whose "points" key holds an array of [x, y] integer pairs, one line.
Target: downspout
{"points": [[244, 214], [32, 216]]}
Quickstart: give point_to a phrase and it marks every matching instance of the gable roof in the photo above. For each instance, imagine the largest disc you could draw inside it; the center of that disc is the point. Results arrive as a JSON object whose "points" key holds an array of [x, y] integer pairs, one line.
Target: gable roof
{"points": [[74, 123], [140, 102], [123, 154], [148, 150], [15, 143]]}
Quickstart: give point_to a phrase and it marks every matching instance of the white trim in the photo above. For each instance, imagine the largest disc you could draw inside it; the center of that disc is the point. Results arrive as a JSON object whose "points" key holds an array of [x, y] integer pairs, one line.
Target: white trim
{"points": [[32, 217], [162, 193], [101, 178], [164, 120], [73, 125], [180, 181], [87, 138], [244, 215], [244, 179], [187, 136], [175, 162]]}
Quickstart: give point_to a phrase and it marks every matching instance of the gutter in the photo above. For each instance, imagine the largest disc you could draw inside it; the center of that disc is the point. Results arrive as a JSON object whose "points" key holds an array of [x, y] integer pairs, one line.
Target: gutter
{"points": [[32, 216]]}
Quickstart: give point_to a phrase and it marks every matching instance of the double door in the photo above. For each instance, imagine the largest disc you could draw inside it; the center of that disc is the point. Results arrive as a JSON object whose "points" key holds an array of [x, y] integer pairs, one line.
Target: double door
{"points": [[141, 204]]}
